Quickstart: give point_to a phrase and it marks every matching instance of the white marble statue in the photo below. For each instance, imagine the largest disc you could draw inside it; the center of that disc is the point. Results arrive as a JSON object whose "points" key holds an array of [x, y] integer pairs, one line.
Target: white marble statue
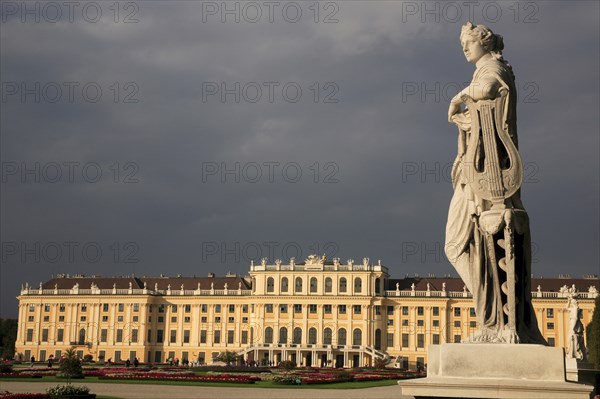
{"points": [[575, 340], [487, 233]]}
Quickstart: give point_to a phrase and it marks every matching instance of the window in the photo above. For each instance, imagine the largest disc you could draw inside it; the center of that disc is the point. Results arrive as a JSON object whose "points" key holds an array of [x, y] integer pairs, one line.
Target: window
{"points": [[312, 336], [343, 284], [244, 308], [283, 335], [46, 308], [377, 286], [174, 308], [342, 336], [134, 335], [217, 337], [231, 309], [327, 336], [31, 308], [217, 319], [61, 307], [297, 338], [377, 310], [456, 323], [405, 340], [357, 309], [328, 284], [269, 308], [270, 284], [435, 339], [244, 337], [298, 284], [473, 324], [472, 312], [550, 326], [45, 335], [313, 284], [161, 319], [420, 340], [456, 312], [420, 311], [121, 307], [81, 336], [420, 322], [341, 309], [284, 284], [202, 336], [550, 313], [174, 319], [60, 333], [436, 323], [204, 319], [283, 308], [268, 335], [405, 322], [161, 308], [404, 310], [244, 320], [61, 318], [204, 308], [159, 336], [390, 322], [312, 309], [119, 318], [390, 340], [457, 339], [378, 339], [357, 285], [103, 335], [119, 335], [136, 307], [297, 308], [550, 341], [327, 309], [31, 318], [47, 318], [84, 308], [218, 308], [436, 311], [135, 318], [231, 319], [149, 336], [357, 337], [390, 310]]}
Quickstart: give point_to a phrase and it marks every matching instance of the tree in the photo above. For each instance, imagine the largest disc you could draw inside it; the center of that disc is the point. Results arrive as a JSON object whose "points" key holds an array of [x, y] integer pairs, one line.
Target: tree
{"points": [[70, 365], [593, 336], [8, 336], [227, 357]]}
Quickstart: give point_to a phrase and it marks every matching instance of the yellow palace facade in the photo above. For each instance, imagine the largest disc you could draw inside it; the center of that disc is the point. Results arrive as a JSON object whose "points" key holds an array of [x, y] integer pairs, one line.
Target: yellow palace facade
{"points": [[316, 313]]}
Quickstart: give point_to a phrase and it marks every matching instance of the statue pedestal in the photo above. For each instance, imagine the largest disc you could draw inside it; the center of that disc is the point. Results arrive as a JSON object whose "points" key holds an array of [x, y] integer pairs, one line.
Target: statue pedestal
{"points": [[495, 371], [579, 371]]}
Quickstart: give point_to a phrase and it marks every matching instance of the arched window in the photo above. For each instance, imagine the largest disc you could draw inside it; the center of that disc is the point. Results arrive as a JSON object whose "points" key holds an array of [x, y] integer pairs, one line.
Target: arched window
{"points": [[313, 284], [357, 337], [328, 284], [268, 335], [312, 336], [342, 336], [357, 284], [297, 339], [377, 286], [270, 284], [327, 336], [378, 339], [298, 284], [252, 335], [283, 335], [81, 336], [284, 284], [343, 284]]}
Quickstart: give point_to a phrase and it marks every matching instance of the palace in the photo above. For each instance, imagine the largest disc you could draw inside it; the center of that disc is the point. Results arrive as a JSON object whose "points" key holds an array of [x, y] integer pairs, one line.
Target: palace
{"points": [[317, 313]]}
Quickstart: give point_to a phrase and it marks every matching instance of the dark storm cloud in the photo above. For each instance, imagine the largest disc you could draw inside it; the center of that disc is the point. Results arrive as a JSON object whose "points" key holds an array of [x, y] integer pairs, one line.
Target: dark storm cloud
{"points": [[164, 213]]}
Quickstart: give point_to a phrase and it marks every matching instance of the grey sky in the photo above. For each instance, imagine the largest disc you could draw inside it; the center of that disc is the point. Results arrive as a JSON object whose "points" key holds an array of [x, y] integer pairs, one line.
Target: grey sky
{"points": [[370, 134]]}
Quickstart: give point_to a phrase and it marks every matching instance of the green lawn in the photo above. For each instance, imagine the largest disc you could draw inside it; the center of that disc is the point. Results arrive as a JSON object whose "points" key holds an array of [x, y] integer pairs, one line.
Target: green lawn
{"points": [[259, 384]]}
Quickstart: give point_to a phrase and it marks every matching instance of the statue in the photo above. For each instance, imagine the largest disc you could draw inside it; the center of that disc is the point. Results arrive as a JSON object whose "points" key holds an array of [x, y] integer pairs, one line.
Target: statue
{"points": [[487, 235], [575, 341]]}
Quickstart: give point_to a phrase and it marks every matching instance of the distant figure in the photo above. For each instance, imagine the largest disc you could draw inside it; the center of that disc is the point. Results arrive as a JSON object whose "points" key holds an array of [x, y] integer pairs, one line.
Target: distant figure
{"points": [[136, 362], [32, 360], [50, 361], [109, 362], [127, 363]]}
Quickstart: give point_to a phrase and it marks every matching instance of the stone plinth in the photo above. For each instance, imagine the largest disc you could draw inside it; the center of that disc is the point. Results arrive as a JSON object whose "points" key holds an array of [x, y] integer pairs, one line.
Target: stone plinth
{"points": [[495, 371]]}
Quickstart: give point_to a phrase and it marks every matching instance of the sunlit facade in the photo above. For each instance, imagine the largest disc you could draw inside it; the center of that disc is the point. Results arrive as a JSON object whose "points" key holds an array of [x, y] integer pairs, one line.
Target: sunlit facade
{"points": [[316, 313]]}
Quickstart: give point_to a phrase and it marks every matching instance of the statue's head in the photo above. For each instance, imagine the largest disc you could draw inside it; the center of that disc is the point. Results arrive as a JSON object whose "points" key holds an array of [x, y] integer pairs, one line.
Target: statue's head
{"points": [[479, 40]]}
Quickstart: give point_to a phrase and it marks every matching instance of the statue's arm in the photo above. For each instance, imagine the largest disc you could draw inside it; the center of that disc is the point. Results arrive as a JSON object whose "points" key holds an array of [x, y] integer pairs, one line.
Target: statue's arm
{"points": [[481, 89]]}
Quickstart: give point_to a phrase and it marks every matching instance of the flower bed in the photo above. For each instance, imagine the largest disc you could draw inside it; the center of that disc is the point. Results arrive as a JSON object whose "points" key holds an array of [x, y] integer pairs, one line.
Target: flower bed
{"points": [[8, 395], [157, 376], [16, 374]]}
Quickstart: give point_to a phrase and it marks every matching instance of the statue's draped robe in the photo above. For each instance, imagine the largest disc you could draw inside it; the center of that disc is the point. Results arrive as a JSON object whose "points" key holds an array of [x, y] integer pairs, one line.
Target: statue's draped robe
{"points": [[465, 245]]}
